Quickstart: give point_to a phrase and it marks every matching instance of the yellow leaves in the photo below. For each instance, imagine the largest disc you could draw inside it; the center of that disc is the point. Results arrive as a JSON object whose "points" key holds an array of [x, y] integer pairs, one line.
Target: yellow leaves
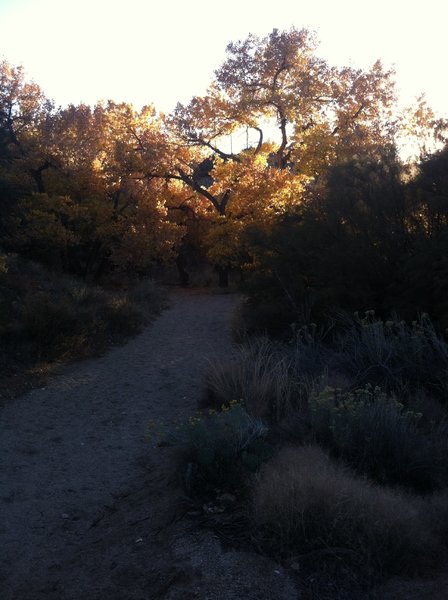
{"points": [[258, 192], [418, 129], [223, 243], [321, 115], [46, 219], [143, 241], [259, 195], [204, 118], [132, 179]]}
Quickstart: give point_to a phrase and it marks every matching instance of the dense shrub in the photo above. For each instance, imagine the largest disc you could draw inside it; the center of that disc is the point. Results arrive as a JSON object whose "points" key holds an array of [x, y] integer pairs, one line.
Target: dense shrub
{"points": [[399, 357], [392, 354], [48, 316], [369, 235], [276, 379], [64, 322], [122, 317], [51, 324], [218, 448], [309, 390], [379, 437], [304, 502]]}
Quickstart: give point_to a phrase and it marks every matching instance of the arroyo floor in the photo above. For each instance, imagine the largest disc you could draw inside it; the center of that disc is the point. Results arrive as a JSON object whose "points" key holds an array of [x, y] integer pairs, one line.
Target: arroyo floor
{"points": [[90, 510]]}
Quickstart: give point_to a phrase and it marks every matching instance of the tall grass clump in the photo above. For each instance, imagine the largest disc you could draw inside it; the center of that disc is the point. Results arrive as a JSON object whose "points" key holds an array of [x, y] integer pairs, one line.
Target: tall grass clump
{"points": [[304, 502], [394, 355], [258, 374]]}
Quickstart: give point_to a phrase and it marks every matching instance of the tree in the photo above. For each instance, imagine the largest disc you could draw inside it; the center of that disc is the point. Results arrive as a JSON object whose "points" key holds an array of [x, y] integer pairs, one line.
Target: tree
{"points": [[121, 188], [322, 115], [426, 270], [79, 196], [25, 113], [344, 248]]}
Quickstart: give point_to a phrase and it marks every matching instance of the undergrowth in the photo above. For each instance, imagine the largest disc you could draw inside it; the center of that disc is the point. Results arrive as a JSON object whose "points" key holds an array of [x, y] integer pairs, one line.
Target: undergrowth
{"points": [[357, 414], [218, 448], [47, 317], [304, 502]]}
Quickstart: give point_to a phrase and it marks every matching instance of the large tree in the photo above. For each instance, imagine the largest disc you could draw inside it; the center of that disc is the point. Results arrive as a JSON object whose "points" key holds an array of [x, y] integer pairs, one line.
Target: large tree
{"points": [[303, 115], [25, 116], [121, 186], [74, 181]]}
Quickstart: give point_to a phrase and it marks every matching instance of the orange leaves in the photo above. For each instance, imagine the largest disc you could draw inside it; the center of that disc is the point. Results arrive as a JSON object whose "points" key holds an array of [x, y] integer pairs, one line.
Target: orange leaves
{"points": [[47, 220], [223, 242], [204, 118], [138, 178], [258, 191], [259, 194]]}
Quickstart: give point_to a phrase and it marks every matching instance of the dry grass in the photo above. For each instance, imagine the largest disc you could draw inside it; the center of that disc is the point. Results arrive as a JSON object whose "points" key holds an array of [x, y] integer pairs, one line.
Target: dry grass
{"points": [[303, 503], [256, 374], [48, 316], [397, 356]]}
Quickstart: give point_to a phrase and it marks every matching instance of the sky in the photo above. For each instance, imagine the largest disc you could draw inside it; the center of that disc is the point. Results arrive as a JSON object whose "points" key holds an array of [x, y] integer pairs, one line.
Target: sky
{"points": [[165, 51]]}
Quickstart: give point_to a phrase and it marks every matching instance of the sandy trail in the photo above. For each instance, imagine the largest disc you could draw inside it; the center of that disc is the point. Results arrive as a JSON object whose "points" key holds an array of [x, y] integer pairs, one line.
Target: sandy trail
{"points": [[88, 507]]}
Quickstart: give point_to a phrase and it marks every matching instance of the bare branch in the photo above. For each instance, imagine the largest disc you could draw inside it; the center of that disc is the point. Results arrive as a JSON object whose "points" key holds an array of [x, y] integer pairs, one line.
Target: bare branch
{"points": [[224, 155], [260, 139], [200, 190]]}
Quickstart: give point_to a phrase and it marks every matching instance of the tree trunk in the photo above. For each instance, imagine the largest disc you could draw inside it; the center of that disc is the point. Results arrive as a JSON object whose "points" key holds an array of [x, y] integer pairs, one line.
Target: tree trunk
{"points": [[36, 174], [184, 277], [223, 276], [92, 259]]}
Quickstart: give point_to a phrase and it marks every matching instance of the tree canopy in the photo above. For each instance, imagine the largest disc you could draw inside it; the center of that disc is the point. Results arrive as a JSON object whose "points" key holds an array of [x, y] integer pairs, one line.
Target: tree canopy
{"points": [[109, 187]]}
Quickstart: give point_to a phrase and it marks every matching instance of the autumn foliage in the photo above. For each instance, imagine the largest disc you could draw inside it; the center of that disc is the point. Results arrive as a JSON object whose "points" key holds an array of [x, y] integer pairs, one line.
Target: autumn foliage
{"points": [[109, 188]]}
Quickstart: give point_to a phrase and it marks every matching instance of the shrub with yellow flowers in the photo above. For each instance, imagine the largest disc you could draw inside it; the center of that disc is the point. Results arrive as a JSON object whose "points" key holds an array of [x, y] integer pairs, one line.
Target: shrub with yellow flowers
{"points": [[220, 447]]}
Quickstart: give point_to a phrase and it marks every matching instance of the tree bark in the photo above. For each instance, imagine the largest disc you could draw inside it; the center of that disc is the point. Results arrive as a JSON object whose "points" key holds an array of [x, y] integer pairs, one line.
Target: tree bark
{"points": [[36, 174], [184, 276], [223, 276]]}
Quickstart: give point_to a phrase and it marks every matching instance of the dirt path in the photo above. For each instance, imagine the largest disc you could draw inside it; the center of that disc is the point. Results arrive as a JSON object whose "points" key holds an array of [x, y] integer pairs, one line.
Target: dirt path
{"points": [[89, 509]]}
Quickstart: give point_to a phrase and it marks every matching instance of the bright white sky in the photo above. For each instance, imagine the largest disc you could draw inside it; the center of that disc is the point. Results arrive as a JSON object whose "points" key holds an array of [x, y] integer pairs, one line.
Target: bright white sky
{"points": [[162, 51]]}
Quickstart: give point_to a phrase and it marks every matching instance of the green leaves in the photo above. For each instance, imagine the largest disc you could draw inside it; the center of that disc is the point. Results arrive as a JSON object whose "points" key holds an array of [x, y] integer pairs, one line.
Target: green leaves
{"points": [[222, 444]]}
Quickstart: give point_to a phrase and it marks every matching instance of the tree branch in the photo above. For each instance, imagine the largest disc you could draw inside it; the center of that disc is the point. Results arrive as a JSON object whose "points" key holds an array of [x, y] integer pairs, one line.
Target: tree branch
{"points": [[277, 74], [36, 174], [280, 157], [224, 201], [260, 139], [200, 190], [224, 155]]}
